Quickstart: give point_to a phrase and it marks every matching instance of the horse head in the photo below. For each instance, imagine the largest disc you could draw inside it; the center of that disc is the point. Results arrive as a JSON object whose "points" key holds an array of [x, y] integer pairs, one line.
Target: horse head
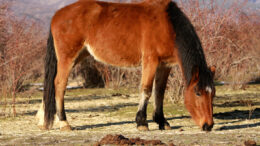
{"points": [[199, 101]]}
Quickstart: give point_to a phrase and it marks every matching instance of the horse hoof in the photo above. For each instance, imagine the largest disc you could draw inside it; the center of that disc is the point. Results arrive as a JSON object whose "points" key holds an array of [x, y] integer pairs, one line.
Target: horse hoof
{"points": [[167, 127], [66, 128], [41, 127], [143, 128]]}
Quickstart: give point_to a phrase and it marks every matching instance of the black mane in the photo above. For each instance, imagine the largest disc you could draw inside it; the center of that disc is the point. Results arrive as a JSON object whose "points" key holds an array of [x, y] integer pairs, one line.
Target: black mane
{"points": [[189, 46]]}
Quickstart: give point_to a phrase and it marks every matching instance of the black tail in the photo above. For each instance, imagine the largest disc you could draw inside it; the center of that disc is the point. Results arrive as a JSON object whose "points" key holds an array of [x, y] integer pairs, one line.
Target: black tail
{"points": [[49, 87]]}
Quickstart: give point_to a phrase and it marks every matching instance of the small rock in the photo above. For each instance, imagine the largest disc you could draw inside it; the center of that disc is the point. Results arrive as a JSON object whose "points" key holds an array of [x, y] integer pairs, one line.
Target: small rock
{"points": [[181, 130], [116, 94], [91, 116], [126, 96]]}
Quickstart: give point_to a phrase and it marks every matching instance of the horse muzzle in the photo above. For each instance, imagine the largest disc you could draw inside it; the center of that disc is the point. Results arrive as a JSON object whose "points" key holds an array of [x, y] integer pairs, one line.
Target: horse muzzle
{"points": [[207, 127]]}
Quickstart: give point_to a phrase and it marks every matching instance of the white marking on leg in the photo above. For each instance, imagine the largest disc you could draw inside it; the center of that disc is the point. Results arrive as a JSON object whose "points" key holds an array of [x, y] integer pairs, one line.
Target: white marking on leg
{"points": [[40, 115], [56, 119], [63, 123], [144, 100]]}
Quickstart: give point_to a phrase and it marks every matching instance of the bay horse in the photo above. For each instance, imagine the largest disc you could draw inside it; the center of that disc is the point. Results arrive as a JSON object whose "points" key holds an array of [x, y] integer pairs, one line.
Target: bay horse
{"points": [[154, 34]]}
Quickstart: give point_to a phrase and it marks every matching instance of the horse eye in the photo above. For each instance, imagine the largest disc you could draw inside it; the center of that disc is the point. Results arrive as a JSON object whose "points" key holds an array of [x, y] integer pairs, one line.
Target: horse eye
{"points": [[198, 94]]}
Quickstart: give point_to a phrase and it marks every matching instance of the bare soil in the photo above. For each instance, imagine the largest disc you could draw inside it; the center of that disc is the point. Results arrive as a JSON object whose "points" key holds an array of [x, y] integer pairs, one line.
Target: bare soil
{"points": [[101, 116], [121, 140]]}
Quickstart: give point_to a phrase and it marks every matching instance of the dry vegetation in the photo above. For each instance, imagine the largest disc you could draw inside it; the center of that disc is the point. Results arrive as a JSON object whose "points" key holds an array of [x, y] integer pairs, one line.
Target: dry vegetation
{"points": [[21, 52], [230, 38]]}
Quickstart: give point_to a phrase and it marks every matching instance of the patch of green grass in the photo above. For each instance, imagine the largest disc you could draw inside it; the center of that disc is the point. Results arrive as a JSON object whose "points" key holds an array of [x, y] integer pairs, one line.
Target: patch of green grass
{"points": [[226, 90], [170, 110], [229, 109], [175, 109], [129, 111], [10, 118], [6, 139], [100, 91]]}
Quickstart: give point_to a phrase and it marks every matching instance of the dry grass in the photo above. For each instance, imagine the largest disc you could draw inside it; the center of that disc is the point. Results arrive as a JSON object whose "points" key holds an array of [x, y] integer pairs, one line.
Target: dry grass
{"points": [[94, 113]]}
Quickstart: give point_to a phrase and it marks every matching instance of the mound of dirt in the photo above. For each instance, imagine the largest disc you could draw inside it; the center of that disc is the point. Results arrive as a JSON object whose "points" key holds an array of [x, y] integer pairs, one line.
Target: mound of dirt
{"points": [[250, 143], [121, 140]]}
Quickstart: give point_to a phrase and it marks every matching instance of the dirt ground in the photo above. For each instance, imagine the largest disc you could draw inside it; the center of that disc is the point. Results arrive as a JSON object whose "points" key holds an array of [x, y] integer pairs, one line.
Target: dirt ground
{"points": [[96, 113]]}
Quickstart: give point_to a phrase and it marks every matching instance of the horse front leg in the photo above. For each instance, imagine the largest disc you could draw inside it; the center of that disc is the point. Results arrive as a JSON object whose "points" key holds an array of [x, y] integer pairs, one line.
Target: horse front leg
{"points": [[148, 72], [161, 78]]}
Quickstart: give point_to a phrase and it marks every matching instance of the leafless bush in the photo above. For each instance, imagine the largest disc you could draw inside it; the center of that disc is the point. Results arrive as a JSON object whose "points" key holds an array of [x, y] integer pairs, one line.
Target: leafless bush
{"points": [[98, 74], [175, 85], [22, 47], [87, 69], [230, 37], [115, 77]]}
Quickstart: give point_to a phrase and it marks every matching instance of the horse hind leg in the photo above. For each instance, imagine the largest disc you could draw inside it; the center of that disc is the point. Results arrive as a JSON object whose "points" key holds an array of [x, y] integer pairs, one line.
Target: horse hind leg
{"points": [[148, 72], [40, 117], [161, 78], [60, 57], [64, 67]]}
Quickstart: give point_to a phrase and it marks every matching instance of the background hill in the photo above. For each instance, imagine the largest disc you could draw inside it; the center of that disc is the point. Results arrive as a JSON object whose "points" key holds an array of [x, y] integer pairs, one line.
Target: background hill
{"points": [[42, 10]]}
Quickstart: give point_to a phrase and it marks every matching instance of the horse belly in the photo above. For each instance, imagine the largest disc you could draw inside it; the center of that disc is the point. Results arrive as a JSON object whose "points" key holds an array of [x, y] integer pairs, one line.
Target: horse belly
{"points": [[115, 56]]}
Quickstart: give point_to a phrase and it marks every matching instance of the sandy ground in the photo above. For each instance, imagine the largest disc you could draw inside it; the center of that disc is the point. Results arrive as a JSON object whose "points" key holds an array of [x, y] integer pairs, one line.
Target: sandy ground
{"points": [[94, 113]]}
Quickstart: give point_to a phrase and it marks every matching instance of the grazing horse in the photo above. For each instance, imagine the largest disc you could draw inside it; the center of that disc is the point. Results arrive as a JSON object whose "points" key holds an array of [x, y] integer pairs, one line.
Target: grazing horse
{"points": [[154, 34]]}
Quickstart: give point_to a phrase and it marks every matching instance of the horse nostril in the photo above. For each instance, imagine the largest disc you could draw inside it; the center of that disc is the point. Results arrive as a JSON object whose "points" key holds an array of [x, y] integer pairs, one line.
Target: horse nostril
{"points": [[206, 127]]}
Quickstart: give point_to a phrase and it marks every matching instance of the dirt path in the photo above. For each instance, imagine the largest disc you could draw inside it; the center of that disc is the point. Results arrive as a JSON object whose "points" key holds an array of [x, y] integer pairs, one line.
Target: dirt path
{"points": [[95, 113]]}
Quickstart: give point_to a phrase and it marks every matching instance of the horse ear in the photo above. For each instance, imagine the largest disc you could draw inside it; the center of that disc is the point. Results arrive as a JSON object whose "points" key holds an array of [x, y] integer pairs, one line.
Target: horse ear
{"points": [[195, 75], [213, 69]]}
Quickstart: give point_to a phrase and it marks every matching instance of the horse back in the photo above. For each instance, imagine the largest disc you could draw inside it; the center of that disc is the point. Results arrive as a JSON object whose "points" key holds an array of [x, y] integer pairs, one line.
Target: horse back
{"points": [[117, 34]]}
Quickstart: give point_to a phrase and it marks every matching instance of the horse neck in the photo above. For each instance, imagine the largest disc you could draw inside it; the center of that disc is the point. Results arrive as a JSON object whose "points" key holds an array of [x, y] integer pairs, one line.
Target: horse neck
{"points": [[190, 52]]}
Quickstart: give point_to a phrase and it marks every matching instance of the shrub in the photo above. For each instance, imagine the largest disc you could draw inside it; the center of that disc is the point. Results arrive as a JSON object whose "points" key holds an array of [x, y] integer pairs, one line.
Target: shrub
{"points": [[22, 46], [229, 35]]}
